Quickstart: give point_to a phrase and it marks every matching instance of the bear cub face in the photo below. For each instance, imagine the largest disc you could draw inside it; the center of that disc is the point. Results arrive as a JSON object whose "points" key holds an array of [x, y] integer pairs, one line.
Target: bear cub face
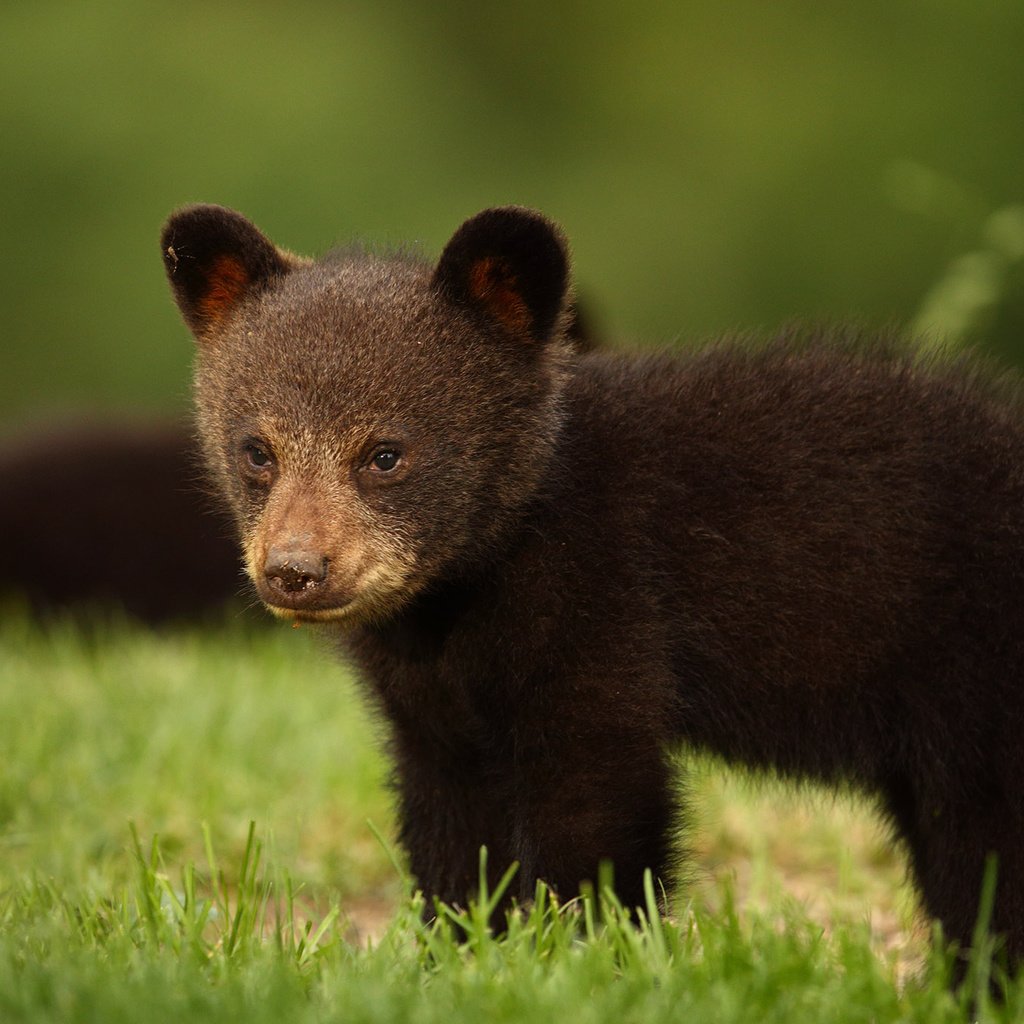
{"points": [[374, 421]]}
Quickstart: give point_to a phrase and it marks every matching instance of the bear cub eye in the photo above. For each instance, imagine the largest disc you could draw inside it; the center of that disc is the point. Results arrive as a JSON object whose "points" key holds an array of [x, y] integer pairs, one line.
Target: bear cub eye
{"points": [[384, 460], [256, 456], [382, 463]]}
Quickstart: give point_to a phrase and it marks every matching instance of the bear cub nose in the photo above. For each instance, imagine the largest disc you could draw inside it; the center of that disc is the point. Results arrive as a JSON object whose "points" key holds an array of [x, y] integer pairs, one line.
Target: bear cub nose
{"points": [[295, 571]]}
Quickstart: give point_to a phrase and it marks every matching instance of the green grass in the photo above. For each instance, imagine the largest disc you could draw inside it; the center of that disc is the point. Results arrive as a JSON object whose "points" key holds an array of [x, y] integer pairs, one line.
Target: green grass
{"points": [[133, 885], [99, 729]]}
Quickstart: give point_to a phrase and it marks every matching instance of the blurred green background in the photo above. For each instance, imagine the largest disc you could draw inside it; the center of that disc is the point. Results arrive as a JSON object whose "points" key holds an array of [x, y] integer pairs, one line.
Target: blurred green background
{"points": [[715, 165]]}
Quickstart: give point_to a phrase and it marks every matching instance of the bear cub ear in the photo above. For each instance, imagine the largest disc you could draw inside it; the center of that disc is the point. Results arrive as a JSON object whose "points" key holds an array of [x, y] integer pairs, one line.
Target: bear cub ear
{"points": [[214, 257], [510, 264]]}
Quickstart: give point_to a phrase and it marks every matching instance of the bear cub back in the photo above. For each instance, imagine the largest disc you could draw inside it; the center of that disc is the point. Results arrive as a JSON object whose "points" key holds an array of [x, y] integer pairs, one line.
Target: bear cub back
{"points": [[552, 567]]}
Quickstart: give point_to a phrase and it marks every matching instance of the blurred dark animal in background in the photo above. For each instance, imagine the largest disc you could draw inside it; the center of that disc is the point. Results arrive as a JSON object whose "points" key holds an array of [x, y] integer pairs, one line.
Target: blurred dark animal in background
{"points": [[113, 513]]}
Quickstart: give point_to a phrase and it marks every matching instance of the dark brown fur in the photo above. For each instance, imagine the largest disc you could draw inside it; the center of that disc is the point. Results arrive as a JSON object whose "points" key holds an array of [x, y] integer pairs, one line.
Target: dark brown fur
{"points": [[553, 568], [111, 513]]}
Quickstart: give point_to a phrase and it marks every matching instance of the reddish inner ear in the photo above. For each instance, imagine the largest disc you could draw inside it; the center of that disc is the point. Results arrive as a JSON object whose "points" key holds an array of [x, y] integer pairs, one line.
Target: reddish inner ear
{"points": [[494, 286], [226, 282]]}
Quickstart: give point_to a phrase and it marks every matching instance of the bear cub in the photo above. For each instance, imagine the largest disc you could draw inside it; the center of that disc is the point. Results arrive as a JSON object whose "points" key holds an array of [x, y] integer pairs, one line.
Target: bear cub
{"points": [[552, 567]]}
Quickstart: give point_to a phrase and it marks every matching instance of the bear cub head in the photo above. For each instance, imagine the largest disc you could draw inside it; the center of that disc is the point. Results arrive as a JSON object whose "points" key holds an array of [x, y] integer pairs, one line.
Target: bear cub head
{"points": [[375, 423]]}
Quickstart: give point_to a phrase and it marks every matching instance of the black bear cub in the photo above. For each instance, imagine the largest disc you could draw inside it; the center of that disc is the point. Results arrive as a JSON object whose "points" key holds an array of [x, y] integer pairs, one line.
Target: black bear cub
{"points": [[553, 567]]}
